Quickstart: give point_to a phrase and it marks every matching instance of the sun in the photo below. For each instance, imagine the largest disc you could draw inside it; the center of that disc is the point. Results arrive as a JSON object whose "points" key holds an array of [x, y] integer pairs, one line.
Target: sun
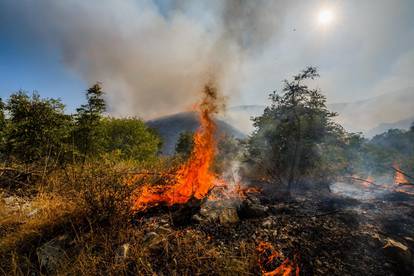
{"points": [[325, 17]]}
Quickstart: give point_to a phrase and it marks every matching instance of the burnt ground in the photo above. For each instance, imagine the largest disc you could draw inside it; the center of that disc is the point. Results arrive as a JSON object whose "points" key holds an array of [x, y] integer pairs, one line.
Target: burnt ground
{"points": [[330, 234], [324, 234]]}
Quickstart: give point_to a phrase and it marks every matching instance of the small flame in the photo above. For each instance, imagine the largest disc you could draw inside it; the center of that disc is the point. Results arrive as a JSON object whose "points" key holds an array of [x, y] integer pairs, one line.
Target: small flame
{"points": [[368, 182], [268, 258], [399, 177]]}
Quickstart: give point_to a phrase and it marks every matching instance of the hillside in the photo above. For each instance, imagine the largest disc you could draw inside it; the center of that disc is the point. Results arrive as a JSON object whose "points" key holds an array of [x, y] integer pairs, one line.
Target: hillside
{"points": [[376, 115], [170, 127]]}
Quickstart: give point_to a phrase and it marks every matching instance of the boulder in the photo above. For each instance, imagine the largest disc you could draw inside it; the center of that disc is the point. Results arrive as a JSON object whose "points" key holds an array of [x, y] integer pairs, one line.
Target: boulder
{"points": [[51, 254], [228, 216], [222, 212], [250, 209]]}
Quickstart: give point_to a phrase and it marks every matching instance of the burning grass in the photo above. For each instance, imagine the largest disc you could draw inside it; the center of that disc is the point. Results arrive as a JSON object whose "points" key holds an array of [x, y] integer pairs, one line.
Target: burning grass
{"points": [[80, 235]]}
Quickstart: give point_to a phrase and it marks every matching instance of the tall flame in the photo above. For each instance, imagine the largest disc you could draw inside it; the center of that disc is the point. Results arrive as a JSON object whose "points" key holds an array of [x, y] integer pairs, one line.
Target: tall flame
{"points": [[194, 178]]}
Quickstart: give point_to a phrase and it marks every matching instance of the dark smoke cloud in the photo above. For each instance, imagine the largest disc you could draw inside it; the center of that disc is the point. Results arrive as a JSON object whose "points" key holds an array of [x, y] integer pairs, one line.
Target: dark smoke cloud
{"points": [[152, 58]]}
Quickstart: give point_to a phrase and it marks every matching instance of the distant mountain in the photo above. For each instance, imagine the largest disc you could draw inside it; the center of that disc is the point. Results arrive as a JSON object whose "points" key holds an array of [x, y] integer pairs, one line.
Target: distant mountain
{"points": [[170, 127], [381, 128], [377, 114], [371, 116]]}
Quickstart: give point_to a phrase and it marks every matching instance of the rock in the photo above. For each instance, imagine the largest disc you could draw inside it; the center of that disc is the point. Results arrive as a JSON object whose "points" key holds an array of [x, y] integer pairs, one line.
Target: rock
{"points": [[268, 223], [182, 213], [51, 254], [228, 216], [252, 210], [223, 212], [253, 199], [212, 213], [209, 213], [122, 253]]}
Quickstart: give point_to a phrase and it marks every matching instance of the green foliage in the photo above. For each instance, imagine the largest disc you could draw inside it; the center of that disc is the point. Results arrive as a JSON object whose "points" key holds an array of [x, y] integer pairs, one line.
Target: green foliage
{"points": [[228, 151], [383, 150], [340, 155], [87, 134], [2, 117], [286, 144], [185, 144], [2, 123], [131, 137], [36, 128]]}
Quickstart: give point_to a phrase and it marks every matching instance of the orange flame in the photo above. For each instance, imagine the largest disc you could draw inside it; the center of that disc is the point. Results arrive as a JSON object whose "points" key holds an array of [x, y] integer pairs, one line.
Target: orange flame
{"points": [[399, 177], [268, 256], [194, 178], [368, 182]]}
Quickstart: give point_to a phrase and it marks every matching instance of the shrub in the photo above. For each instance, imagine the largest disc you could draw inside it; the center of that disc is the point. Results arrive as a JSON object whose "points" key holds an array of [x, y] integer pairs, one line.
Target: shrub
{"points": [[131, 137], [36, 128]]}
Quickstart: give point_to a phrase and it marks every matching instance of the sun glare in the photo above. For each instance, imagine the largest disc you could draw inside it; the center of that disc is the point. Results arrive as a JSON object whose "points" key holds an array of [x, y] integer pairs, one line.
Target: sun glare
{"points": [[325, 17]]}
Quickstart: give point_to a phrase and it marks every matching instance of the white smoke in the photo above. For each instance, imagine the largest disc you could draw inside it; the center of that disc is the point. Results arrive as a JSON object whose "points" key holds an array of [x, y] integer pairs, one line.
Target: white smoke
{"points": [[152, 56]]}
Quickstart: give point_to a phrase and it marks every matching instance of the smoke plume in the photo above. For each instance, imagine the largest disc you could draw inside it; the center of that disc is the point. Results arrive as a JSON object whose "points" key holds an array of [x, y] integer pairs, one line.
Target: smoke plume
{"points": [[153, 57]]}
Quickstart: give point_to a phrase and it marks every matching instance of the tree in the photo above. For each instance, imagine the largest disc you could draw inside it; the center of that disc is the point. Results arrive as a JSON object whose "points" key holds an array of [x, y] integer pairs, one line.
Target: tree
{"points": [[2, 127], [185, 143], [286, 143], [131, 137], [388, 148], [36, 129], [228, 153], [87, 134], [2, 117]]}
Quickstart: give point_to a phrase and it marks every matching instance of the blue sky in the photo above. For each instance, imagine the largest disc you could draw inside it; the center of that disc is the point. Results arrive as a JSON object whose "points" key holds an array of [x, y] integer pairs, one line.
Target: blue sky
{"points": [[151, 56], [27, 64], [34, 70]]}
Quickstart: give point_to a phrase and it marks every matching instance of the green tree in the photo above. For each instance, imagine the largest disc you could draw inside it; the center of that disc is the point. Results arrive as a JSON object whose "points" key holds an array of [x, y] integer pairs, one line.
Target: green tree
{"points": [[87, 134], [228, 152], [286, 143], [384, 150], [36, 129], [2, 116], [2, 128], [131, 137], [185, 143]]}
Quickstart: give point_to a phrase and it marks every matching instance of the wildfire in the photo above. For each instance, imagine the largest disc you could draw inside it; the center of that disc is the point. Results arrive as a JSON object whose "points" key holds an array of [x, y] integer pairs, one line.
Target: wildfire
{"points": [[194, 178], [268, 258], [399, 177], [368, 182]]}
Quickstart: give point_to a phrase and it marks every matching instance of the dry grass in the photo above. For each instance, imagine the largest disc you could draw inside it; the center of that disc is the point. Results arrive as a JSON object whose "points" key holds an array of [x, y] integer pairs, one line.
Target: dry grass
{"points": [[83, 211]]}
